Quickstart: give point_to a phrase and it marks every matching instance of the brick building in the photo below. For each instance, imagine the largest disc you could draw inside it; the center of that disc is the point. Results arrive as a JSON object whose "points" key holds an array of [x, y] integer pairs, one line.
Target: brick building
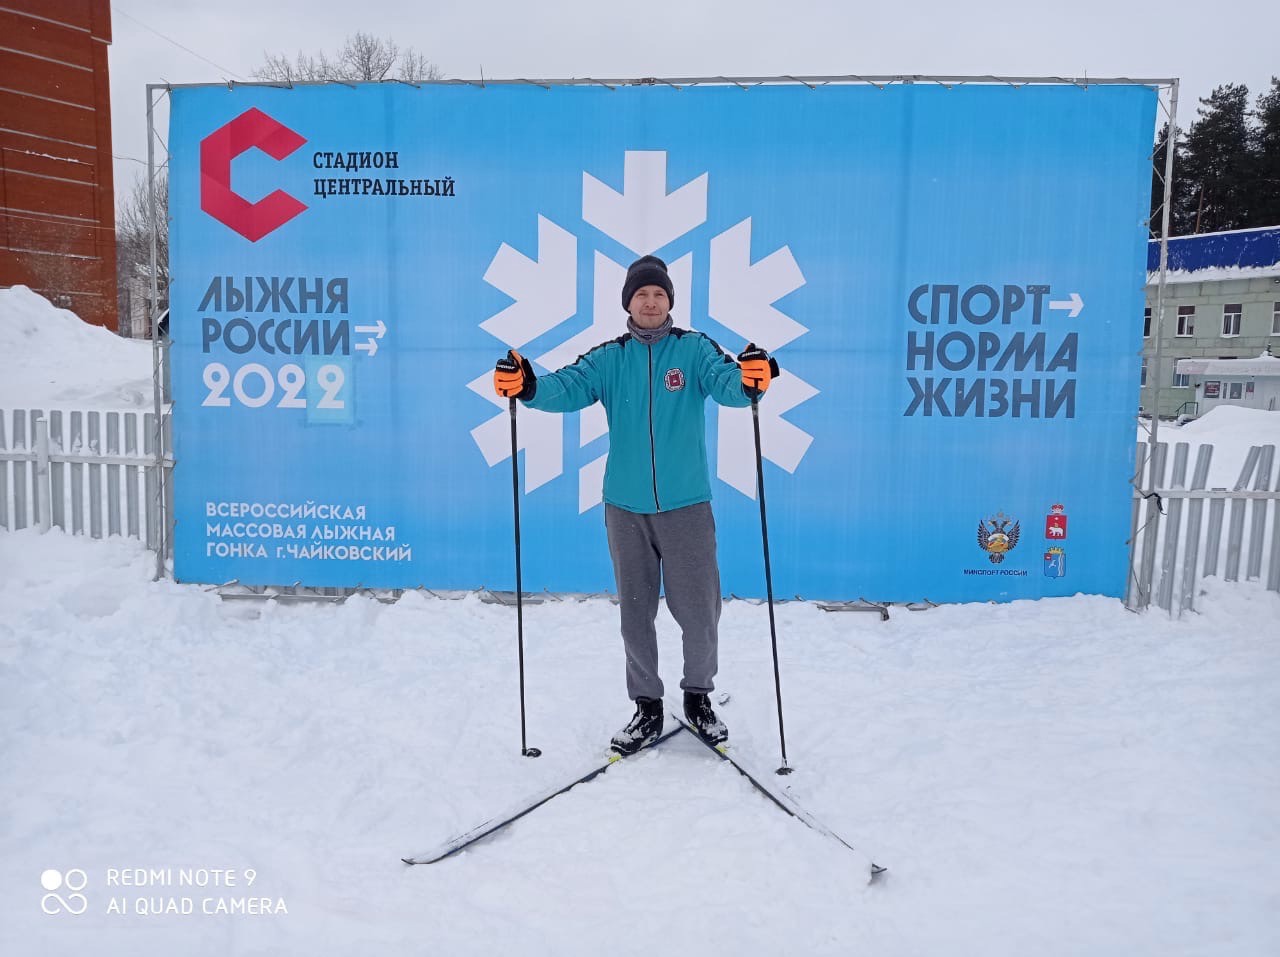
{"points": [[57, 204]]}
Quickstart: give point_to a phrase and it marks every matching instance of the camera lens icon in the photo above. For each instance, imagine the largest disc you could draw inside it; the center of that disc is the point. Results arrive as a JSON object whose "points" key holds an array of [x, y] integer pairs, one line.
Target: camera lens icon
{"points": [[74, 903]]}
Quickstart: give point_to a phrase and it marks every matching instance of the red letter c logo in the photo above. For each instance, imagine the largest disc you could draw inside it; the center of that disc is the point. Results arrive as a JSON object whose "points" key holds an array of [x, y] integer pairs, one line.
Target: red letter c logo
{"points": [[217, 198]]}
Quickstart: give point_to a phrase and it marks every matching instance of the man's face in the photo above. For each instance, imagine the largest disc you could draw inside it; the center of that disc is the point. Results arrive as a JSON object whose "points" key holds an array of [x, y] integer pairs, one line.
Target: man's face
{"points": [[649, 307]]}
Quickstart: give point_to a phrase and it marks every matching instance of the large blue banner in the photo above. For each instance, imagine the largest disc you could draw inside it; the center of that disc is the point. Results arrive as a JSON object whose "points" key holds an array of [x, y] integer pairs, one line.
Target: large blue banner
{"points": [[951, 280]]}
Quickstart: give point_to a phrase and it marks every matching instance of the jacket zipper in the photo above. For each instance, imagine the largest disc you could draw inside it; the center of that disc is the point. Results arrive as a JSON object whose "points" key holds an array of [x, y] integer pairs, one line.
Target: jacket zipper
{"points": [[653, 454]]}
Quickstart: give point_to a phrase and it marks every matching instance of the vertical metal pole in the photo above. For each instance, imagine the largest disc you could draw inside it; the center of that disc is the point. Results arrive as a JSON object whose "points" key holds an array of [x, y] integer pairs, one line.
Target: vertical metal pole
{"points": [[1171, 146], [161, 543], [1133, 589], [1151, 527], [1140, 597]]}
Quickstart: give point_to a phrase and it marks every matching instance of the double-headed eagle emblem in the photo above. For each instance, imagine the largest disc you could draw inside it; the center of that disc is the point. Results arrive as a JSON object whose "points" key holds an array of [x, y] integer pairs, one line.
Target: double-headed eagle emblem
{"points": [[996, 537]]}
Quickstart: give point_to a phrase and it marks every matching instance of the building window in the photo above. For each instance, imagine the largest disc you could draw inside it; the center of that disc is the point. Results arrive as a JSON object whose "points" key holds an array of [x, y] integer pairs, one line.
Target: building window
{"points": [[1275, 319], [1180, 381], [1143, 380], [1186, 321], [1146, 322], [1236, 389], [1231, 320]]}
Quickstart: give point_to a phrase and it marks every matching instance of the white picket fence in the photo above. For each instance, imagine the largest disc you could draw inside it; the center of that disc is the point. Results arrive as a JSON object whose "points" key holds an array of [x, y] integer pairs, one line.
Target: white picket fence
{"points": [[96, 473], [1169, 558], [88, 472]]}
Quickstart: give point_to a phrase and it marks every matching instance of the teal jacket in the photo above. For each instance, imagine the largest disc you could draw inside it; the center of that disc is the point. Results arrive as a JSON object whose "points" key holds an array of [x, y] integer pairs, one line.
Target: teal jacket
{"points": [[653, 397]]}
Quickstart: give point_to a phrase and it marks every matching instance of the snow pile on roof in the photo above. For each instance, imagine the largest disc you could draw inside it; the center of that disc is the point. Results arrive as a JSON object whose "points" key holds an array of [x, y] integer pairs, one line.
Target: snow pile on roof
{"points": [[51, 357], [1263, 365], [1232, 430], [1215, 274]]}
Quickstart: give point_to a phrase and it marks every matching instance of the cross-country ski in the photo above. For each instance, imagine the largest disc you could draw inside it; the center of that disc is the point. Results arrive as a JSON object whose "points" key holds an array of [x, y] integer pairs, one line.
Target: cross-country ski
{"points": [[779, 795], [510, 816]]}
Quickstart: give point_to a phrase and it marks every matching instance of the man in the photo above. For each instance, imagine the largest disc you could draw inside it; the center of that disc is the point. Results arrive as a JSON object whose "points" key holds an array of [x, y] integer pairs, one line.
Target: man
{"points": [[653, 383]]}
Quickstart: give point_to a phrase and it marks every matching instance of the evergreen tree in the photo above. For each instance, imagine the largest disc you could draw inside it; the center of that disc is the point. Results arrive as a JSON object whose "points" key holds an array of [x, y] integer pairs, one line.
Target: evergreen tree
{"points": [[1266, 174], [1217, 164]]}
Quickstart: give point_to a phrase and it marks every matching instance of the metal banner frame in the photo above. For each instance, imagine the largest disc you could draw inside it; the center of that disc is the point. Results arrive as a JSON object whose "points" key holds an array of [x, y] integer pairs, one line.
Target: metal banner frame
{"points": [[1167, 92]]}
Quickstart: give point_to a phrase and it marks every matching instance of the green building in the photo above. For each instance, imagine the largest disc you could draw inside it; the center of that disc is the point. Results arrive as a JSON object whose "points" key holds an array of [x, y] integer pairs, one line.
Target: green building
{"points": [[1222, 301]]}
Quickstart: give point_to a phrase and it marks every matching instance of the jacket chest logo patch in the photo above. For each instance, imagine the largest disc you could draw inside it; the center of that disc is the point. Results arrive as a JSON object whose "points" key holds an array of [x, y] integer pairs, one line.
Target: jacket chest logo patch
{"points": [[675, 380]]}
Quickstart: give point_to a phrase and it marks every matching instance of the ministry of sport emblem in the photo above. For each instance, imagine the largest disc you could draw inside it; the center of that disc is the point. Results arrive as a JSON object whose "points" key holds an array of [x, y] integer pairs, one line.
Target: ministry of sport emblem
{"points": [[675, 380], [998, 535]]}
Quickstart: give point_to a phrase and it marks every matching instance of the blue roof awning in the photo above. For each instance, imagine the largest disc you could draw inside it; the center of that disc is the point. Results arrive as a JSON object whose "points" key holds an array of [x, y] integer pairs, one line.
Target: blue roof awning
{"points": [[1238, 247]]}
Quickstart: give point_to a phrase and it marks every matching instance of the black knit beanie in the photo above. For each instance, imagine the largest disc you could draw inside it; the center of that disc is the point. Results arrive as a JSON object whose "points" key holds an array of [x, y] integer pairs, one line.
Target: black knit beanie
{"points": [[646, 271]]}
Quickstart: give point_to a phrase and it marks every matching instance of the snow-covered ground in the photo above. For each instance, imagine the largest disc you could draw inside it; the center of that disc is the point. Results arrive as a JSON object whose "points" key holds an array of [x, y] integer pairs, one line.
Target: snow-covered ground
{"points": [[1042, 778], [1055, 777]]}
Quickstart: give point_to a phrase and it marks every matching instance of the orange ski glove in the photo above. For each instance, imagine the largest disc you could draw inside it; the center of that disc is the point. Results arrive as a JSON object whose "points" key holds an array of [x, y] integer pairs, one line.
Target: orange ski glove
{"points": [[513, 377], [758, 370]]}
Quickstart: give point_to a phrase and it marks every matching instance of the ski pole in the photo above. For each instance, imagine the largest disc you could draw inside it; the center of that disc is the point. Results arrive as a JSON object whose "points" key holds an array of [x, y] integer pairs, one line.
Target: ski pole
{"points": [[768, 581], [525, 750]]}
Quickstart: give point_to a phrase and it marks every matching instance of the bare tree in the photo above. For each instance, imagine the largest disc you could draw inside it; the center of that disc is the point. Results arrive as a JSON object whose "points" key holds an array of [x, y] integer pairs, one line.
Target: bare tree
{"points": [[363, 57], [415, 67], [134, 228], [281, 69]]}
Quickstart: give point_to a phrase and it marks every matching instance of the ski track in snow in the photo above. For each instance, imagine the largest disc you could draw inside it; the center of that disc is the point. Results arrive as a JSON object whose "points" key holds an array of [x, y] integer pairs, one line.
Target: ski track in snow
{"points": [[1052, 778]]}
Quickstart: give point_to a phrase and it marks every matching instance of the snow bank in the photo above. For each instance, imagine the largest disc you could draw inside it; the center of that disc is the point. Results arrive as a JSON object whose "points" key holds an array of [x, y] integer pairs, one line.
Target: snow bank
{"points": [[51, 358], [1231, 430], [1232, 424]]}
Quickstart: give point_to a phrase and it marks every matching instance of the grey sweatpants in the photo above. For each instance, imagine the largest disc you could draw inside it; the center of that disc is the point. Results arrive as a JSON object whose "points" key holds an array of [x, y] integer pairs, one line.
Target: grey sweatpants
{"points": [[675, 549]]}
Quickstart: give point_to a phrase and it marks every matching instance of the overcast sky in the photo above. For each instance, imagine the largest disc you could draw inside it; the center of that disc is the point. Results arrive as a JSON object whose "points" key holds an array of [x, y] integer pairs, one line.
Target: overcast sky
{"points": [[1203, 44]]}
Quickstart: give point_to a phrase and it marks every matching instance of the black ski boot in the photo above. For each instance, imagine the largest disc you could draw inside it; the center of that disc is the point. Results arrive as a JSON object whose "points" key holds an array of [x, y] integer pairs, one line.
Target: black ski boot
{"points": [[697, 708], [642, 730]]}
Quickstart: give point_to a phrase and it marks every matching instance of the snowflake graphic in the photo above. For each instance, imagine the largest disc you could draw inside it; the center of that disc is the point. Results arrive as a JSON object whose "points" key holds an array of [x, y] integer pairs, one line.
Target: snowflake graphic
{"points": [[644, 218]]}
